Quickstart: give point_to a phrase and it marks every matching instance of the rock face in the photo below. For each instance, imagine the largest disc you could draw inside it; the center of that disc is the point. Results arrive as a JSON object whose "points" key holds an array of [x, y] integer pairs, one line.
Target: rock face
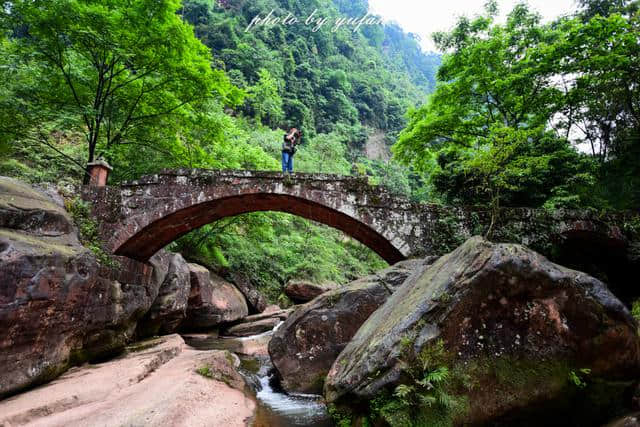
{"points": [[520, 327], [24, 209], [57, 307], [306, 344], [212, 300], [255, 300], [301, 291], [169, 308]]}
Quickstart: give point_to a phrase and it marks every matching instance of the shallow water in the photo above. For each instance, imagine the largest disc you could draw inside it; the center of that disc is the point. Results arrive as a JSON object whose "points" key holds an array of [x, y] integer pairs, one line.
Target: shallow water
{"points": [[282, 410], [273, 408]]}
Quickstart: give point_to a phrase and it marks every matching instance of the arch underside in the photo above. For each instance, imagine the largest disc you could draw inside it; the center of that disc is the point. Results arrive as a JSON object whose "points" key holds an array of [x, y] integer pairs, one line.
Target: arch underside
{"points": [[163, 231]]}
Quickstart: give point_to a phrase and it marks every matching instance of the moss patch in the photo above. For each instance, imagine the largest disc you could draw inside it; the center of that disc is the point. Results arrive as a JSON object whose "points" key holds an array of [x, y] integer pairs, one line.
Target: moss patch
{"points": [[89, 230], [250, 364]]}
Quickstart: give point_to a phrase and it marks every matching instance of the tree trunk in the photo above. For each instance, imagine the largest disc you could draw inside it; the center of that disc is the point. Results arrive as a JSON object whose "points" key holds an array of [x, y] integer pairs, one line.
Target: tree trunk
{"points": [[87, 177]]}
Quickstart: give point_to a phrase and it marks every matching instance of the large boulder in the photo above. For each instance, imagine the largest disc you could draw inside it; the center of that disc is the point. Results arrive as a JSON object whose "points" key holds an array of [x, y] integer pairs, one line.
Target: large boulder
{"points": [[255, 300], [301, 291], [213, 300], [306, 344], [169, 308], [57, 307], [491, 334]]}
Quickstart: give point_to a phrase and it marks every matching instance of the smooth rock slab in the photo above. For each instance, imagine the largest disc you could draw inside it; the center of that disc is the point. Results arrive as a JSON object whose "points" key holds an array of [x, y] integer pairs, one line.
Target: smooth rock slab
{"points": [[516, 323], [155, 384], [275, 313], [255, 345]]}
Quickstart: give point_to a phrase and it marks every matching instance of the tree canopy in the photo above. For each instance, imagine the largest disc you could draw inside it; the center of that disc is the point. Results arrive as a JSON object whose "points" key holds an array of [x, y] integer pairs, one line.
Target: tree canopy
{"points": [[123, 73], [520, 106]]}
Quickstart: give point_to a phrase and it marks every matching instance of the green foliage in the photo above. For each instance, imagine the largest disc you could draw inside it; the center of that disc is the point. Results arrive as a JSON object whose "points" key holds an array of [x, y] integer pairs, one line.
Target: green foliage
{"points": [[635, 312], [276, 248], [31, 162], [341, 418], [126, 74], [578, 378], [205, 371], [430, 396], [514, 100], [325, 79], [88, 230], [264, 99]]}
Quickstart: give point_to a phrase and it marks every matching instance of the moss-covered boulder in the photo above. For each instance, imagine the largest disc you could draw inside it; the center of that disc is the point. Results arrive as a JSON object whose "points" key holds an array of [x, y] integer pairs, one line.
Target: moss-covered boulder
{"points": [[306, 344], [491, 334], [26, 209]]}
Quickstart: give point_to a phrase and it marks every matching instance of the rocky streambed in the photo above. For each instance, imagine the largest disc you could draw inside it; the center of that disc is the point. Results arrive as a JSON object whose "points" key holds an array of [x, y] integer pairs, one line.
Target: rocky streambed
{"points": [[489, 334], [159, 382], [274, 407], [163, 381]]}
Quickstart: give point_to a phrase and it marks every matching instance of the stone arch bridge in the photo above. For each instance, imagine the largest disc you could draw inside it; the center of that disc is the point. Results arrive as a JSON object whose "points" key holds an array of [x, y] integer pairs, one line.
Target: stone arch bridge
{"points": [[140, 217]]}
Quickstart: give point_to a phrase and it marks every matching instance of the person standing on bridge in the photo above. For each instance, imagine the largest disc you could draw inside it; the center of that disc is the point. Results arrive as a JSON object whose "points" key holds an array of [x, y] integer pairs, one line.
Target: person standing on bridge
{"points": [[291, 139]]}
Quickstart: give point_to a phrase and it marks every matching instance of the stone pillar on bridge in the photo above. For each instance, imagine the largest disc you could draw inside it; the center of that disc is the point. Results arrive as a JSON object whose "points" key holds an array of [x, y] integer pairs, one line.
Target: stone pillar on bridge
{"points": [[98, 172]]}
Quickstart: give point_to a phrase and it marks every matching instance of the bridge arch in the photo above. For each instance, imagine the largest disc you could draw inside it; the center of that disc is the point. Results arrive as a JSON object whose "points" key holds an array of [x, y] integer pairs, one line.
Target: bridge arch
{"points": [[143, 244], [140, 217]]}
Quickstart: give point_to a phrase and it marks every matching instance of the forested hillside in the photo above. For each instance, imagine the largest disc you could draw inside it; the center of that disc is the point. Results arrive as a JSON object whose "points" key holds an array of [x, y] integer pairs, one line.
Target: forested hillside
{"points": [[130, 83]]}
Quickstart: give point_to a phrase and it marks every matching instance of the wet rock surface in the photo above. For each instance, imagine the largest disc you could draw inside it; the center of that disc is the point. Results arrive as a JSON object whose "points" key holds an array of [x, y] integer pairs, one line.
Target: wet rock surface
{"points": [[522, 328], [304, 347], [246, 329], [276, 312]]}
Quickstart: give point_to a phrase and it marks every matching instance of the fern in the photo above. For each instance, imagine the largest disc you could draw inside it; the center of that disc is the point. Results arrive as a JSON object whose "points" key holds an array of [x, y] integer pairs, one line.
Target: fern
{"points": [[404, 392]]}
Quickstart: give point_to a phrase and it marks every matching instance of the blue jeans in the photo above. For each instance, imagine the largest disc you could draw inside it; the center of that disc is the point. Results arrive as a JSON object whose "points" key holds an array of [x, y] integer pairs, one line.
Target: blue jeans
{"points": [[287, 162]]}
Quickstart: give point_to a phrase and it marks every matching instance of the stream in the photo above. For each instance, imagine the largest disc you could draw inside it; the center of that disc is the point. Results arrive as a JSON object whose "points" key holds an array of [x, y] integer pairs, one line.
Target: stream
{"points": [[274, 408]]}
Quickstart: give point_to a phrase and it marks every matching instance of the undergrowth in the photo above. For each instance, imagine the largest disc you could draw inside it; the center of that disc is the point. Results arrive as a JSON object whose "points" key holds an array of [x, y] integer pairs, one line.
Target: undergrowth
{"points": [[432, 393]]}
